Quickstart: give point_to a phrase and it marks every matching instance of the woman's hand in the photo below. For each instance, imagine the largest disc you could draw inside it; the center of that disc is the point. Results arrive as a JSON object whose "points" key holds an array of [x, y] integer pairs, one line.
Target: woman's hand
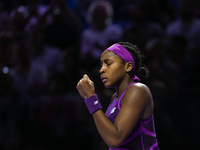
{"points": [[85, 87]]}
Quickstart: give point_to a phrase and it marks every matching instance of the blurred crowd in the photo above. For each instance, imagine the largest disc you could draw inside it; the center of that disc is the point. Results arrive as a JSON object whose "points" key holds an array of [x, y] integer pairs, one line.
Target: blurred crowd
{"points": [[47, 45]]}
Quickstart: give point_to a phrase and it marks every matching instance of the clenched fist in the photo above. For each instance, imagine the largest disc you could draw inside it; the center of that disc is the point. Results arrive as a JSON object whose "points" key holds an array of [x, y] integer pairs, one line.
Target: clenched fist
{"points": [[85, 87]]}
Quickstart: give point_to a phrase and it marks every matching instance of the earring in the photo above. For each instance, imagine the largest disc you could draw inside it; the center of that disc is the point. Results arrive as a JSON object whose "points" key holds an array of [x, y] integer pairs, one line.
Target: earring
{"points": [[128, 70]]}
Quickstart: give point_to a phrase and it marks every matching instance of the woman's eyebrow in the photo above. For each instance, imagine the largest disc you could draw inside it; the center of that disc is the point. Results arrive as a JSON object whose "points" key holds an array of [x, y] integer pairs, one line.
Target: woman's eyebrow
{"points": [[105, 60]]}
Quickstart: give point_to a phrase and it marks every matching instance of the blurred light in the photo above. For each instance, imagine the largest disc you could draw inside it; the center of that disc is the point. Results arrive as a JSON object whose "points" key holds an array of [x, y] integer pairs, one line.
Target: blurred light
{"points": [[5, 70], [21, 9], [56, 11]]}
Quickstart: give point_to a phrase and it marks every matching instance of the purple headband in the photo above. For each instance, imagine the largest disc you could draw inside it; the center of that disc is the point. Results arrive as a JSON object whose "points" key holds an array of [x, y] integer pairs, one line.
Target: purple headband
{"points": [[125, 55]]}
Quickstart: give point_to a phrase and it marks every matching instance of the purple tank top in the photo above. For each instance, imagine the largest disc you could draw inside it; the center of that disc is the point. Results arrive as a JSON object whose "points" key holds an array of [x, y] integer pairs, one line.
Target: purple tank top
{"points": [[142, 137]]}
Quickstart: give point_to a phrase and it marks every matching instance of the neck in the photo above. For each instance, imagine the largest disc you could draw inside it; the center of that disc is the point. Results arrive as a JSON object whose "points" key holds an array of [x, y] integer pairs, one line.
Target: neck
{"points": [[124, 84]]}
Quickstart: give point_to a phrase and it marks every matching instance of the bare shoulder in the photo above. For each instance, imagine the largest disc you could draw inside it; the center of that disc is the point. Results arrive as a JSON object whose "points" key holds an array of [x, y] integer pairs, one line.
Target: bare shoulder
{"points": [[140, 87], [139, 91], [138, 99]]}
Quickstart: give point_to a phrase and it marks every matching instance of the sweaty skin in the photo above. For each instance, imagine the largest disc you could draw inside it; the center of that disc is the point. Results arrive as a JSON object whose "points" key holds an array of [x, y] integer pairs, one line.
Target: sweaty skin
{"points": [[136, 104]]}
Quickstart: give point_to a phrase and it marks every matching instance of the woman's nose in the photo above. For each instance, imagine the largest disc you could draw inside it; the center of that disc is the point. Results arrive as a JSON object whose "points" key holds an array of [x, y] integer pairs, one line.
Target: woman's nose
{"points": [[102, 69]]}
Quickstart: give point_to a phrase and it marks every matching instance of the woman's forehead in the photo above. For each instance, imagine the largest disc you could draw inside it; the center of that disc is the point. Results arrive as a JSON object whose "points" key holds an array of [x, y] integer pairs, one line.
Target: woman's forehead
{"points": [[108, 54]]}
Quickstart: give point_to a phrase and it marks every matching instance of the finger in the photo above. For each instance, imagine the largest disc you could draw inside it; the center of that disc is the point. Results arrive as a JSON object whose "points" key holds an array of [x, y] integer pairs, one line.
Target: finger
{"points": [[90, 82], [78, 85], [88, 79], [85, 76], [80, 82]]}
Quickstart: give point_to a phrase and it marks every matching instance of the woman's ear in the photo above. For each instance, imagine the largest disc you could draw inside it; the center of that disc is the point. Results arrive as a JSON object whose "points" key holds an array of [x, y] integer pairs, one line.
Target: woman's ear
{"points": [[129, 66]]}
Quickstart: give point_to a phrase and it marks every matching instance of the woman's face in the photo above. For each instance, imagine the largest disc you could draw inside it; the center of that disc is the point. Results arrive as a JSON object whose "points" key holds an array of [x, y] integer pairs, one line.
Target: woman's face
{"points": [[112, 69]]}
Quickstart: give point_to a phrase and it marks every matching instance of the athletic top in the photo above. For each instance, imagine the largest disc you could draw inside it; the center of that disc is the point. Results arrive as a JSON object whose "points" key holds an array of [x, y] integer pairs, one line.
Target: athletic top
{"points": [[142, 137]]}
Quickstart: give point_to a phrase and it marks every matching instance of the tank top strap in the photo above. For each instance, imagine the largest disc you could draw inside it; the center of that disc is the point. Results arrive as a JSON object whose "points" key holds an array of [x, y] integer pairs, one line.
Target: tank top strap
{"points": [[119, 100]]}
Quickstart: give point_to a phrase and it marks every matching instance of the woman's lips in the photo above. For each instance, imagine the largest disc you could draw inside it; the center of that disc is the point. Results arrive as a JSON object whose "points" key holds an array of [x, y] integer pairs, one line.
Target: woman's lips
{"points": [[103, 79]]}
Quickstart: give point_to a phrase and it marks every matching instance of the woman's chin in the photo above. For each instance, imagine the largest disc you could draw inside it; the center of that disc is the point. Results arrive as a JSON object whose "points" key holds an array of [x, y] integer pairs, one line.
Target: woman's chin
{"points": [[108, 85]]}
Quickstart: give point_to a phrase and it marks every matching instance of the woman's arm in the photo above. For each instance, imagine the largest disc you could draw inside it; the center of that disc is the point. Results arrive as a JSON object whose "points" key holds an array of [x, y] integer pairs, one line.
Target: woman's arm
{"points": [[136, 102]]}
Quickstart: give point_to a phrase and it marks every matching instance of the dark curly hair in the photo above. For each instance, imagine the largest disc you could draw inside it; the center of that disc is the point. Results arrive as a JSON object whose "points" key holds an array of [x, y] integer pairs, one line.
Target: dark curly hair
{"points": [[140, 69]]}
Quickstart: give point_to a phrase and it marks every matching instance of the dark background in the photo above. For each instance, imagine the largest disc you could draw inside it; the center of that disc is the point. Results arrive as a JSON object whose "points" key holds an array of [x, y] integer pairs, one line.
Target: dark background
{"points": [[41, 61]]}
